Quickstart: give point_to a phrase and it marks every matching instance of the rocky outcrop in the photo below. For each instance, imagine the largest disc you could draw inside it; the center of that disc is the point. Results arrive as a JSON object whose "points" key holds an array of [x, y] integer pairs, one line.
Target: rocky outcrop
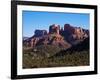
{"points": [[39, 33], [63, 38], [69, 29], [58, 40], [74, 34], [54, 29]]}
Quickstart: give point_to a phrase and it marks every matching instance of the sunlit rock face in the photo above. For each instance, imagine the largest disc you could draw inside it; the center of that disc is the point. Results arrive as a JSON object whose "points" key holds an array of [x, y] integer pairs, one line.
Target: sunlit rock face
{"points": [[54, 29], [64, 37]]}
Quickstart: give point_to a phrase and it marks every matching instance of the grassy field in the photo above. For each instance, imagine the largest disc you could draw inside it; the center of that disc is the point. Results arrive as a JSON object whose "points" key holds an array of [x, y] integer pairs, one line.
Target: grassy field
{"points": [[51, 56]]}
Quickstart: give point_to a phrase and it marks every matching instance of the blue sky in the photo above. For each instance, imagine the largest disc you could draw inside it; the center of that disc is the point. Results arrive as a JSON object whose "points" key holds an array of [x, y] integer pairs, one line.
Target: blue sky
{"points": [[32, 20]]}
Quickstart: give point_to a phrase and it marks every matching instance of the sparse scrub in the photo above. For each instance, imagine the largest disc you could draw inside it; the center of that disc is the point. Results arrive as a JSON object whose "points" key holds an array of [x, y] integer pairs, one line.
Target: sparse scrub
{"points": [[40, 59]]}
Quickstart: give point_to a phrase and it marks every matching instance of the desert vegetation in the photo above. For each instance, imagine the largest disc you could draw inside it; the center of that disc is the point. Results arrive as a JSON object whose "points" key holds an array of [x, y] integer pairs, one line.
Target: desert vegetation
{"points": [[49, 56], [57, 48]]}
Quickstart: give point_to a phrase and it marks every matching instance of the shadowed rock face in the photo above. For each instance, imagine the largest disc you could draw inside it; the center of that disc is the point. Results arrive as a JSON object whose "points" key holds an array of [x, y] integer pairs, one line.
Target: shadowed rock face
{"points": [[39, 33], [64, 38], [74, 34]]}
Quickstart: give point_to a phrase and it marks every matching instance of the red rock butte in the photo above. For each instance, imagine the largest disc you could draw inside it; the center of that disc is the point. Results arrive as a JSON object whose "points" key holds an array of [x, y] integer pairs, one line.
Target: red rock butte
{"points": [[57, 36]]}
